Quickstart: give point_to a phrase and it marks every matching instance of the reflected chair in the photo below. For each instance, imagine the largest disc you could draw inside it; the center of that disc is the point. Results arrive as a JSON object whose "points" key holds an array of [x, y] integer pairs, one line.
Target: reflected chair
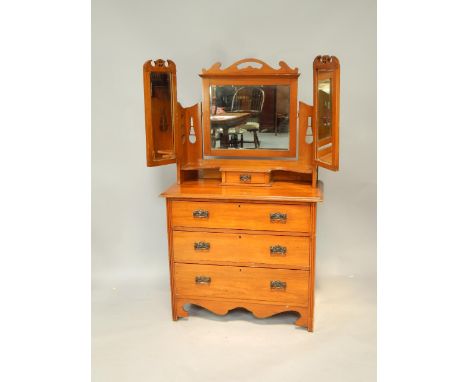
{"points": [[249, 100], [235, 140]]}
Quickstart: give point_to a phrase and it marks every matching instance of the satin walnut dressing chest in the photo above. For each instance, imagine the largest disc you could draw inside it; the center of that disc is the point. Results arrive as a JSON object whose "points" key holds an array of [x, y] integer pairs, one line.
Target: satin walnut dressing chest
{"points": [[241, 218]]}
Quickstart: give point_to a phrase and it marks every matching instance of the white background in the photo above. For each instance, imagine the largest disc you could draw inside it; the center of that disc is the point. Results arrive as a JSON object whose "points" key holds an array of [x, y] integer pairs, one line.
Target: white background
{"points": [[45, 214]]}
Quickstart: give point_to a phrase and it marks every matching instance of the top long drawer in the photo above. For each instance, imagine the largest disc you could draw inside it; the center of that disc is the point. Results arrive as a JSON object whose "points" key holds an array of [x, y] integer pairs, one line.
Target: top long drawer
{"points": [[249, 216]]}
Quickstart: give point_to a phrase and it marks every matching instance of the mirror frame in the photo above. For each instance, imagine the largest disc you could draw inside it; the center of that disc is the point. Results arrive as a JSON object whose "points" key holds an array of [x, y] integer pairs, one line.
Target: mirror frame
{"points": [[250, 76], [159, 66], [328, 67]]}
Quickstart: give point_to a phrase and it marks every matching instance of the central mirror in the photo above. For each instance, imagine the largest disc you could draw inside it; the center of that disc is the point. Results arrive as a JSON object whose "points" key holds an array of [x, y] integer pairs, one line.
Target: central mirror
{"points": [[250, 117], [249, 112]]}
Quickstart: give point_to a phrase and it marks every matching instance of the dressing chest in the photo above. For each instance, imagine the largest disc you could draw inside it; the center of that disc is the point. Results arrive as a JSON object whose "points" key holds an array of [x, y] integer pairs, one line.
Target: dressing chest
{"points": [[241, 218]]}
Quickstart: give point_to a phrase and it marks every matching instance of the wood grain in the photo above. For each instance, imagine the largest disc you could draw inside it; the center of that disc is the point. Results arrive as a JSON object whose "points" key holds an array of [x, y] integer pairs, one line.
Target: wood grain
{"points": [[284, 192], [242, 283], [242, 215], [244, 249], [264, 70], [259, 310], [154, 156], [234, 178], [264, 165], [328, 67]]}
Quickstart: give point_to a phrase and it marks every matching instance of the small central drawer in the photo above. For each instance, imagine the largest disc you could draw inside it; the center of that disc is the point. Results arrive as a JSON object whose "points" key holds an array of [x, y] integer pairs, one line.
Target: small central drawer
{"points": [[245, 249], [260, 284], [248, 216], [246, 178]]}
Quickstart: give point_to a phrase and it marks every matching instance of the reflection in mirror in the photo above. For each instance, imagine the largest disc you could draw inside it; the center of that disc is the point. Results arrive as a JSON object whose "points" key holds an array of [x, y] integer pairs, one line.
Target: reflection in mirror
{"points": [[161, 115], [249, 117], [324, 120]]}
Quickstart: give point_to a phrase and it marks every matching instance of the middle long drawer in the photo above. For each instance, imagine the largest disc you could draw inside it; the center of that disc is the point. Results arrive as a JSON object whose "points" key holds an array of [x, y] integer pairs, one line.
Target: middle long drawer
{"points": [[242, 249]]}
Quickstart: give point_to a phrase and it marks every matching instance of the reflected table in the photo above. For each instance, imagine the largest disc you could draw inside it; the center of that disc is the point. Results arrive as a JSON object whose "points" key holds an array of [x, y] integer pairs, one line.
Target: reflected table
{"points": [[226, 121]]}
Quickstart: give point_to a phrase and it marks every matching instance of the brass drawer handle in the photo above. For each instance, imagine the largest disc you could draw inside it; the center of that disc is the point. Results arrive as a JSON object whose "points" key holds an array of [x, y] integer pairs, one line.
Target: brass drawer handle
{"points": [[201, 246], [200, 214], [276, 284], [202, 279], [278, 217], [245, 178], [278, 250]]}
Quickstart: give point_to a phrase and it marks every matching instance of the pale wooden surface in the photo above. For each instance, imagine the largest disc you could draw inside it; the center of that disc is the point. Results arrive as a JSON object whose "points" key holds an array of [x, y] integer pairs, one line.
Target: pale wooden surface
{"points": [[279, 191], [249, 216], [243, 283], [245, 249], [258, 309], [255, 178], [239, 164], [264, 70], [239, 262], [328, 67], [152, 144], [237, 281]]}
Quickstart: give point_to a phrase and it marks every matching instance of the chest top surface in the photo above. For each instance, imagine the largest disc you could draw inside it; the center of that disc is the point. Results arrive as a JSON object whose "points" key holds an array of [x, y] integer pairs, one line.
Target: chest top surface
{"points": [[279, 191]]}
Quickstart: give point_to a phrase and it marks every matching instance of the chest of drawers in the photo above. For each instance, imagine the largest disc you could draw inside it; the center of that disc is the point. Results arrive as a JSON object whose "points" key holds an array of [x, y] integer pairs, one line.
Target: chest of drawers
{"points": [[255, 250]]}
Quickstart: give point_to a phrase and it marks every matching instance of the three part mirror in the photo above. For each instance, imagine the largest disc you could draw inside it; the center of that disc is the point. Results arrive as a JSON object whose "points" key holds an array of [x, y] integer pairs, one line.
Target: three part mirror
{"points": [[245, 114]]}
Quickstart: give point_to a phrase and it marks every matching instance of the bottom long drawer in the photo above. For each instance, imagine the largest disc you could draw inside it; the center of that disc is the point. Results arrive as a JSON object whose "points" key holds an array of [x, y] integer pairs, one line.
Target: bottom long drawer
{"points": [[244, 283]]}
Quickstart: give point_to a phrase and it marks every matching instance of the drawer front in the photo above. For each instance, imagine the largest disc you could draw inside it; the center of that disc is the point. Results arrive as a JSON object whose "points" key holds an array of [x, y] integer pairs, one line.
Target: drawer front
{"points": [[251, 216], [243, 283], [247, 249], [237, 177]]}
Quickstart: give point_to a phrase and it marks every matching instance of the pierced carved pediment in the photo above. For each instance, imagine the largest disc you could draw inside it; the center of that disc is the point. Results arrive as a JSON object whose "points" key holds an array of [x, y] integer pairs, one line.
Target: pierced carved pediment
{"points": [[244, 68], [326, 62], [159, 65]]}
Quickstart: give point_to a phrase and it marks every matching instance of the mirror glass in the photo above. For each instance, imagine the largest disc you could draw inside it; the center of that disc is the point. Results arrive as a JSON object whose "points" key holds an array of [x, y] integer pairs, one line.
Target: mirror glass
{"points": [[324, 120], [161, 115], [250, 117]]}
